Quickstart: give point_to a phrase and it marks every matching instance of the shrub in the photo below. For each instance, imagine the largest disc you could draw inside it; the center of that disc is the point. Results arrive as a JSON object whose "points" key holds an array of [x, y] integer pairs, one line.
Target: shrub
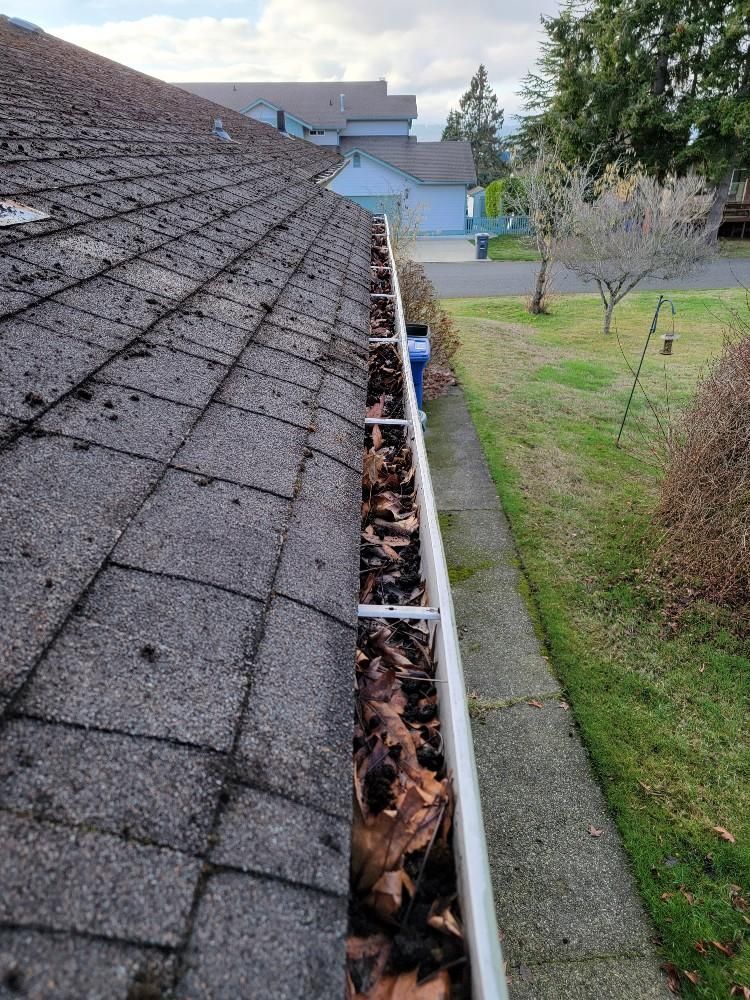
{"points": [[493, 194], [421, 305], [704, 507], [505, 197]]}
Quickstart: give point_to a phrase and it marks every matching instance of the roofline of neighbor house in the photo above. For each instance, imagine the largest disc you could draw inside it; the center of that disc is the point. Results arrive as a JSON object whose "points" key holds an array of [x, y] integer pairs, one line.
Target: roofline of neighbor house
{"points": [[412, 177]]}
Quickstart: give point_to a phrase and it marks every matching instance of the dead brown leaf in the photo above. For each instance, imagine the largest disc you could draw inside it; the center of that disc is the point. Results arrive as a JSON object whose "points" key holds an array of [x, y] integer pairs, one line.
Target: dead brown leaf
{"points": [[442, 919], [673, 977], [700, 947], [740, 991], [405, 987], [534, 703], [724, 834], [693, 977], [595, 831], [372, 466], [725, 949], [386, 895]]}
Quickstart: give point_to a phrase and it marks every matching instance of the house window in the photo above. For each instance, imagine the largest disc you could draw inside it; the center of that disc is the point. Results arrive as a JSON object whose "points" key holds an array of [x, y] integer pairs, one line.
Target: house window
{"points": [[317, 131], [356, 160]]}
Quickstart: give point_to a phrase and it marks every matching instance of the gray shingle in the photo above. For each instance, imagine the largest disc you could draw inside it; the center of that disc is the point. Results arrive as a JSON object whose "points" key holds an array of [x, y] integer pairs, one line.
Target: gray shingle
{"points": [[40, 366], [83, 325], [73, 881], [315, 103], [447, 162], [293, 944], [318, 566], [48, 966], [339, 438], [115, 300], [199, 335], [63, 509], [244, 447], [267, 834], [120, 418], [175, 375], [151, 656], [296, 733], [281, 365], [210, 531], [329, 484], [119, 784], [269, 396]]}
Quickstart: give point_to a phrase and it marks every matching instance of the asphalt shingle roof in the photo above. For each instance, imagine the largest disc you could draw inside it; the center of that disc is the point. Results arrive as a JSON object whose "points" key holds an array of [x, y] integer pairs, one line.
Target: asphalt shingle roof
{"points": [[317, 104], [447, 162], [183, 348]]}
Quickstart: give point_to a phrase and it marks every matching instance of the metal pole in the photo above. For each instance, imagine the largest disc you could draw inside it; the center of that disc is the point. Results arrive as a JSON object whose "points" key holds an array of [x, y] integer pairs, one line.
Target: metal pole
{"points": [[651, 332]]}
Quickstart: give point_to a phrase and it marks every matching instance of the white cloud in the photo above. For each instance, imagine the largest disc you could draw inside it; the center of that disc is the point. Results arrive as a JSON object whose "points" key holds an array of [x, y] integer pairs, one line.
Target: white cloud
{"points": [[431, 50]]}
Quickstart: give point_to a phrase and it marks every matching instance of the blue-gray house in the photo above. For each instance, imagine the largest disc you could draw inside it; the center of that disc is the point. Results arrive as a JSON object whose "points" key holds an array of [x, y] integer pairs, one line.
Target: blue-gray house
{"points": [[386, 166]]}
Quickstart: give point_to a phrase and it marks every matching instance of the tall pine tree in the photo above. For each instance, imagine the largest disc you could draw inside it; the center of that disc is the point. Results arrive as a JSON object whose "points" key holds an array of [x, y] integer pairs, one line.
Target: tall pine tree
{"points": [[664, 82], [479, 119]]}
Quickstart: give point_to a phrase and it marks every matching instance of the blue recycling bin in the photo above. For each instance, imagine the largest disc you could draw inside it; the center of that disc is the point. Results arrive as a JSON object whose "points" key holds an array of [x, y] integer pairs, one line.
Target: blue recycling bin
{"points": [[483, 245], [418, 336]]}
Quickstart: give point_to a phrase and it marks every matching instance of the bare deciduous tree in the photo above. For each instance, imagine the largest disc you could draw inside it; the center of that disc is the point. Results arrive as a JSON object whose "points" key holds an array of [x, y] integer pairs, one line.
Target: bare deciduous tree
{"points": [[634, 228], [544, 195]]}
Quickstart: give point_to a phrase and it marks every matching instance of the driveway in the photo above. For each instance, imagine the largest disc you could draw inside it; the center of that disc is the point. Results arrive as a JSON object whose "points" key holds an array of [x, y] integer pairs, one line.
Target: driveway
{"points": [[477, 278], [450, 249]]}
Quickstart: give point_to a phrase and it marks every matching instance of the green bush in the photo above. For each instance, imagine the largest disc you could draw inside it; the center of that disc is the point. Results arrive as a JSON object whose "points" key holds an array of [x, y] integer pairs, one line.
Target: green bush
{"points": [[503, 197], [493, 198]]}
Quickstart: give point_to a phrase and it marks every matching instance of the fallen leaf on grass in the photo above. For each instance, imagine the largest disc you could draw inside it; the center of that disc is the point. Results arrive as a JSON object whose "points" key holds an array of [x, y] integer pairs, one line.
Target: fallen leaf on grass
{"points": [[723, 948], [673, 977], [740, 991], [724, 834], [694, 977], [700, 947], [595, 831], [687, 895], [737, 900]]}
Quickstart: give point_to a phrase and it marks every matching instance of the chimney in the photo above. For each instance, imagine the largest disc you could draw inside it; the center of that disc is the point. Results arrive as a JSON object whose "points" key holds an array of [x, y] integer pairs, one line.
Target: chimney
{"points": [[341, 102], [281, 120]]}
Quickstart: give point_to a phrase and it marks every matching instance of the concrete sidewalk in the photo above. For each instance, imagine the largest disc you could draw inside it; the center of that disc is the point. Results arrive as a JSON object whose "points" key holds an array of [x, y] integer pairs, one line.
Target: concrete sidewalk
{"points": [[573, 924]]}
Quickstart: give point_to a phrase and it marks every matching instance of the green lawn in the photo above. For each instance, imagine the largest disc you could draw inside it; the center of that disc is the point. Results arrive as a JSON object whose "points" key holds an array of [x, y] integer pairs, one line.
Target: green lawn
{"points": [[735, 248], [664, 711], [519, 248], [511, 248]]}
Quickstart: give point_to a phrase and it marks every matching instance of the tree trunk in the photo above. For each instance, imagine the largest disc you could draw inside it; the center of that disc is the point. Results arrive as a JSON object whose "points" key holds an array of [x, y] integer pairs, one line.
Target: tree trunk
{"points": [[608, 310], [537, 299], [719, 202]]}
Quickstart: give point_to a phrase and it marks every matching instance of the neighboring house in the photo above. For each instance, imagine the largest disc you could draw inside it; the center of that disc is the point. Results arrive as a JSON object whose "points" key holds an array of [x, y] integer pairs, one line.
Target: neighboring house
{"points": [[736, 219], [387, 168], [476, 202], [183, 368]]}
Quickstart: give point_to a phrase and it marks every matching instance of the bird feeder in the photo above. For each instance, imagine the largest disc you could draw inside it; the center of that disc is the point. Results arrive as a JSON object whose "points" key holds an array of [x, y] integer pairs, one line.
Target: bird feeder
{"points": [[669, 339]]}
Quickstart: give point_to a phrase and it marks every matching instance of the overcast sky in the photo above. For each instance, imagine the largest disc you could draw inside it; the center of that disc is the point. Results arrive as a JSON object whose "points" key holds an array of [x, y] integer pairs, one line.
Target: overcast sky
{"points": [[430, 48]]}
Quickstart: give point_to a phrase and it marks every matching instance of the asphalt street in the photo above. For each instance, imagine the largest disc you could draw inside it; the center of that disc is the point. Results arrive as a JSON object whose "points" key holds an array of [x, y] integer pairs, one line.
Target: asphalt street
{"points": [[477, 278]]}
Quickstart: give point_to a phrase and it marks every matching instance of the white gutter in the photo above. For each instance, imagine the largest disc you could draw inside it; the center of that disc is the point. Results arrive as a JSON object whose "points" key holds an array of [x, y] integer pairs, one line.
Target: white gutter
{"points": [[475, 887]]}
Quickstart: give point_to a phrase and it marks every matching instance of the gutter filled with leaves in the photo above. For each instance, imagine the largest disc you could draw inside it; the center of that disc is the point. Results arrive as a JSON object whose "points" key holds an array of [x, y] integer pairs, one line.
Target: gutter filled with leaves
{"points": [[422, 922]]}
